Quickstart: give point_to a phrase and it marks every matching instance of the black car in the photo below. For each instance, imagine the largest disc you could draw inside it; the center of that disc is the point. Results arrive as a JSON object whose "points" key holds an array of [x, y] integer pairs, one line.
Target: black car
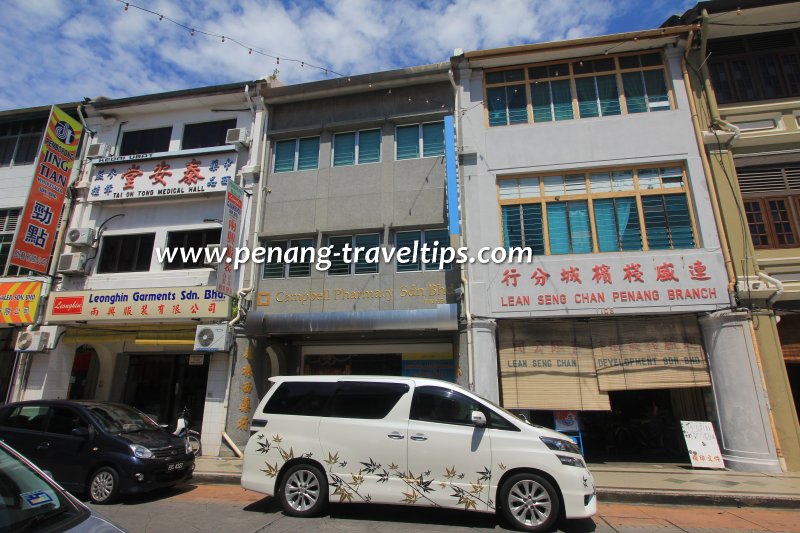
{"points": [[105, 449]]}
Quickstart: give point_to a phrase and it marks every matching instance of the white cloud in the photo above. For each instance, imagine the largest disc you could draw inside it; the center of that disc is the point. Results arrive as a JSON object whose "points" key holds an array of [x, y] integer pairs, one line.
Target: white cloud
{"points": [[59, 51]]}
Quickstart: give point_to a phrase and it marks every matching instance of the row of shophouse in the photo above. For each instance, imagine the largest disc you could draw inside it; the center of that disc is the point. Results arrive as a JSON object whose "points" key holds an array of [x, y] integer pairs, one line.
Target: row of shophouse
{"points": [[653, 179]]}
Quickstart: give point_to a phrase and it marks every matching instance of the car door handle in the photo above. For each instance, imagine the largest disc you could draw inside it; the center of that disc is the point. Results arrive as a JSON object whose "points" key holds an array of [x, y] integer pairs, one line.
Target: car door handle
{"points": [[43, 446], [419, 436], [395, 435]]}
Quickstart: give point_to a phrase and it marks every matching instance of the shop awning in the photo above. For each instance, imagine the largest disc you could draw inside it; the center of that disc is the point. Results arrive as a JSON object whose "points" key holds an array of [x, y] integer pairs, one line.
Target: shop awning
{"points": [[441, 318]]}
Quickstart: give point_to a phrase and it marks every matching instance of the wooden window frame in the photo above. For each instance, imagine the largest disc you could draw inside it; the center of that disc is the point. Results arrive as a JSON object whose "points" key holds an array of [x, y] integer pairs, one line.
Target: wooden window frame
{"points": [[792, 208], [617, 72], [590, 197]]}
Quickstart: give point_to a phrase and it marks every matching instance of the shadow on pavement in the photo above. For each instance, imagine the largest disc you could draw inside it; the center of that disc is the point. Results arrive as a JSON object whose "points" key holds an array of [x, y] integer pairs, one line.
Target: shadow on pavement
{"points": [[420, 515], [148, 497]]}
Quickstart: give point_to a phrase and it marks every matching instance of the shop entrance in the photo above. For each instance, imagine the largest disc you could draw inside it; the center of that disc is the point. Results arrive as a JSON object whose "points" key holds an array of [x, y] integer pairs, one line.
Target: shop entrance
{"points": [[161, 385], [83, 378], [389, 364]]}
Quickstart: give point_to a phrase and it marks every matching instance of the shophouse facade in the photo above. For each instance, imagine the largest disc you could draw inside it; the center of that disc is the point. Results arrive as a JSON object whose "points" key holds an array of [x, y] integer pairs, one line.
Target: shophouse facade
{"points": [[744, 67], [129, 327], [359, 161], [620, 322], [21, 134]]}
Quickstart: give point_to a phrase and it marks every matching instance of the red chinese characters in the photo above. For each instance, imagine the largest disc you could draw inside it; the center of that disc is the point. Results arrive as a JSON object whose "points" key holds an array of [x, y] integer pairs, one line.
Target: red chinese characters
{"points": [[192, 173], [601, 273], [539, 277], [571, 275], [697, 270], [633, 272], [510, 276], [160, 173], [130, 176], [666, 272]]}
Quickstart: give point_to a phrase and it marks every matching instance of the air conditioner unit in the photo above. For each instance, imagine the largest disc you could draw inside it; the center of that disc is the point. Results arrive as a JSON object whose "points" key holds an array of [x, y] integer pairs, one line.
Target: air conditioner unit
{"points": [[32, 341], [209, 254], [80, 237], [237, 137], [212, 338], [97, 150], [72, 264]]}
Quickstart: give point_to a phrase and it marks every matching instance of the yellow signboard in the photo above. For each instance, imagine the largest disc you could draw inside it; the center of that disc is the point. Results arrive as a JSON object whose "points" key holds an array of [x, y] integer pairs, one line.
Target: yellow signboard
{"points": [[19, 301]]}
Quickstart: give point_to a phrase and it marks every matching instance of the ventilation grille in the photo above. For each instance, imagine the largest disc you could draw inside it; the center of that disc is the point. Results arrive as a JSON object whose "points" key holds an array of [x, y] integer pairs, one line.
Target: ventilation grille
{"points": [[727, 48], [760, 43], [769, 180]]}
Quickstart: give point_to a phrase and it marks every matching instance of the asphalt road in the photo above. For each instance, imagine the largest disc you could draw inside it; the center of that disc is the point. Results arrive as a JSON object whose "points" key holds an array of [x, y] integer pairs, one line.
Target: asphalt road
{"points": [[212, 508]]}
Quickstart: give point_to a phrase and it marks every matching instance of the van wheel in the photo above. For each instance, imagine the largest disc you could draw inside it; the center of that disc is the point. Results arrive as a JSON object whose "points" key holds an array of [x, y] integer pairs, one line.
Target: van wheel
{"points": [[529, 502], [104, 485], [304, 490]]}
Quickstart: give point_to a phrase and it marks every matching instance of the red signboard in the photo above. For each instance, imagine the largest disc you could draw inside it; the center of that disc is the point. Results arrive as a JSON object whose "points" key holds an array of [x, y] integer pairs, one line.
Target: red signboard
{"points": [[39, 222], [68, 305]]}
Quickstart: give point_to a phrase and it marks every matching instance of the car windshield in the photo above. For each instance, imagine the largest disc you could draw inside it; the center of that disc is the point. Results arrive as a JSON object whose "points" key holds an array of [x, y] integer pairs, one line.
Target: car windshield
{"points": [[121, 419], [25, 497]]}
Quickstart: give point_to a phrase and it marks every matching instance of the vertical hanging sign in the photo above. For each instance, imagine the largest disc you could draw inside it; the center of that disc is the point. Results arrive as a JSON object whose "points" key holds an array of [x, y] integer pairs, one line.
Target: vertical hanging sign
{"points": [[226, 276], [39, 222]]}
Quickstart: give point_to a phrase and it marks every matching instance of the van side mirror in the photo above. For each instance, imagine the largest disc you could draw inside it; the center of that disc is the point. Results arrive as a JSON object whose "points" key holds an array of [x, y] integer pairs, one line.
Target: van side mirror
{"points": [[80, 432], [479, 419]]}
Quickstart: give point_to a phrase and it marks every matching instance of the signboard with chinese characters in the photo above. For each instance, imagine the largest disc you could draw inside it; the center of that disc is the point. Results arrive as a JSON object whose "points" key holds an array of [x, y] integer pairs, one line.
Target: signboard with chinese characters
{"points": [[226, 275], [701, 441], [19, 300], [39, 221], [592, 284], [135, 178], [122, 305]]}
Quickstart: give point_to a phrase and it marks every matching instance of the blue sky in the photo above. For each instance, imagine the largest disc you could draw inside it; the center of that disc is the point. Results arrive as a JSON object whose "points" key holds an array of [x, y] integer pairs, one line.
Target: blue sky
{"points": [[57, 51]]}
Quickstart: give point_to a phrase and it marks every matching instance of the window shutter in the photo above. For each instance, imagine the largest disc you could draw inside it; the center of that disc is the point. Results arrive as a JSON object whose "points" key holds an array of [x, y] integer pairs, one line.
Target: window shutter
{"points": [[275, 268], [633, 86], [433, 139], [299, 269], [367, 242], [284, 156], [540, 94], [609, 95], [338, 265], [496, 102], [308, 158], [369, 146], [587, 97], [344, 149], [562, 100], [406, 239], [408, 142]]}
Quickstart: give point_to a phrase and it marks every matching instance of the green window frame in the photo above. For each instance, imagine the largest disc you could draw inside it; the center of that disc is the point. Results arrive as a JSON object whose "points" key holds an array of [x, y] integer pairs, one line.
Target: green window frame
{"points": [[618, 210], [358, 147], [426, 139], [275, 265], [436, 239], [296, 154]]}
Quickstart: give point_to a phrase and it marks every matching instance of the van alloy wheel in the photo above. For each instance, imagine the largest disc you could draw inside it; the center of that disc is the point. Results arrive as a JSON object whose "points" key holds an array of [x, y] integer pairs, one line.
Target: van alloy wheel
{"points": [[530, 503], [304, 490]]}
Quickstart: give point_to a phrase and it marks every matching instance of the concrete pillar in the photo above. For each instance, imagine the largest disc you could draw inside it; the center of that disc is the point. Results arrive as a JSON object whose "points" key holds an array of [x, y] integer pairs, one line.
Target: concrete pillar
{"points": [[484, 359], [745, 431], [243, 394]]}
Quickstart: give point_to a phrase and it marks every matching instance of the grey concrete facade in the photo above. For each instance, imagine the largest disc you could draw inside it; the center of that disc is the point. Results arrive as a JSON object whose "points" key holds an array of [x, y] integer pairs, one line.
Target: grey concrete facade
{"points": [[383, 198]]}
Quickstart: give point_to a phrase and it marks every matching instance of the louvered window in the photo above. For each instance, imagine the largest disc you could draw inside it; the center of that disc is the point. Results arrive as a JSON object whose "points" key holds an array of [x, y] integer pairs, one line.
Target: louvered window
{"points": [[771, 204], [8, 225], [19, 141], [606, 211]]}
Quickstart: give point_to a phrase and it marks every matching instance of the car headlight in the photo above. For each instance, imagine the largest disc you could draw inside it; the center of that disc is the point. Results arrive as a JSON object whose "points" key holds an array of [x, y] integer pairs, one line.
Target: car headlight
{"points": [[141, 452], [571, 461], [561, 445], [188, 446]]}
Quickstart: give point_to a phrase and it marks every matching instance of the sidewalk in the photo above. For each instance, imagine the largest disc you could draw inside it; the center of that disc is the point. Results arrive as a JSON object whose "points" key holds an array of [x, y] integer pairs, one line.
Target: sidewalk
{"points": [[629, 483]]}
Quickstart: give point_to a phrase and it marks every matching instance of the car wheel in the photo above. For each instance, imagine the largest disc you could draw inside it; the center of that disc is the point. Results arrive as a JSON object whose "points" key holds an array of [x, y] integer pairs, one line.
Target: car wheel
{"points": [[529, 502], [194, 441], [304, 490], [104, 485]]}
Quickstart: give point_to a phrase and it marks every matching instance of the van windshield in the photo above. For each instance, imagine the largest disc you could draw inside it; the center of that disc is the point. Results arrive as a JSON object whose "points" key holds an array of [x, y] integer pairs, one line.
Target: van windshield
{"points": [[118, 419]]}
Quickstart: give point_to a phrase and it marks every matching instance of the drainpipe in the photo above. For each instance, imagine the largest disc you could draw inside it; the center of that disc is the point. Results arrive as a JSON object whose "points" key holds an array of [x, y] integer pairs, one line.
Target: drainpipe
{"points": [[461, 209], [712, 189], [778, 287]]}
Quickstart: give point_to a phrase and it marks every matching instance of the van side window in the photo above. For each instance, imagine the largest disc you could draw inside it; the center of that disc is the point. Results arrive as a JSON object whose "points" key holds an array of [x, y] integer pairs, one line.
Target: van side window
{"points": [[300, 398], [366, 400], [437, 404]]}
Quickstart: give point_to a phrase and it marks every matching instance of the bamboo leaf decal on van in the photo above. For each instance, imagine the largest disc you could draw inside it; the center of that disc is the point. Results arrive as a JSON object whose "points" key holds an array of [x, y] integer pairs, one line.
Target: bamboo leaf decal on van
{"points": [[271, 471]]}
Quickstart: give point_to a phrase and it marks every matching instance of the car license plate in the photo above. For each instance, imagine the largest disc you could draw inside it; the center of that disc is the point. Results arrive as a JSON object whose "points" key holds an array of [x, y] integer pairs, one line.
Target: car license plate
{"points": [[174, 466]]}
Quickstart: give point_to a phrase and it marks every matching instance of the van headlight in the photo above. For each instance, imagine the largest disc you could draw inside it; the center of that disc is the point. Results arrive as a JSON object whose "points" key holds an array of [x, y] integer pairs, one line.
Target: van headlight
{"points": [[561, 445], [141, 452]]}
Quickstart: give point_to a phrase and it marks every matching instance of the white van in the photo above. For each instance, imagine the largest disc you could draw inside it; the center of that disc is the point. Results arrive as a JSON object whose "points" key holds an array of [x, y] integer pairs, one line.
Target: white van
{"points": [[413, 441]]}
